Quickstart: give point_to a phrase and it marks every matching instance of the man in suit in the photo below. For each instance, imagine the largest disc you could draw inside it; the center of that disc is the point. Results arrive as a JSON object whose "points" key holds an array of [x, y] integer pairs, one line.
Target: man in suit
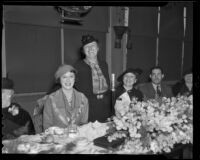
{"points": [[155, 88]]}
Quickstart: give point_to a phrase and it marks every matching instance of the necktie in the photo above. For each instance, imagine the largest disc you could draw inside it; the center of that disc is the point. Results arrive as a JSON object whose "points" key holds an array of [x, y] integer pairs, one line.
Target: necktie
{"points": [[158, 91]]}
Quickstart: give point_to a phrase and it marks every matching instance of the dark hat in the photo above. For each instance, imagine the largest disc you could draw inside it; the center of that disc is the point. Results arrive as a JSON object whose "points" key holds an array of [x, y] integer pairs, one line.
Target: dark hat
{"points": [[64, 69], [88, 39], [7, 83], [136, 71], [189, 71]]}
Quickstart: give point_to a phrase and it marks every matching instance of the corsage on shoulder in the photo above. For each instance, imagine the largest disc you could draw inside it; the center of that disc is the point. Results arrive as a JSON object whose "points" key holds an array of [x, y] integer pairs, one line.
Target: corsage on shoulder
{"points": [[14, 110]]}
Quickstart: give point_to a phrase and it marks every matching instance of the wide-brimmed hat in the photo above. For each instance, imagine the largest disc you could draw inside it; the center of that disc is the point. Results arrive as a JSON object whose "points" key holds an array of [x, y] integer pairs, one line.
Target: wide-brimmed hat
{"points": [[136, 72], [88, 39], [7, 83], [64, 69], [188, 71]]}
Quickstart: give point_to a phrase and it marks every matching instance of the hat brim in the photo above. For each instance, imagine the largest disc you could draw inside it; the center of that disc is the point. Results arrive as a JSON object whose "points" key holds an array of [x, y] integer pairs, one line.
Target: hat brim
{"points": [[136, 72]]}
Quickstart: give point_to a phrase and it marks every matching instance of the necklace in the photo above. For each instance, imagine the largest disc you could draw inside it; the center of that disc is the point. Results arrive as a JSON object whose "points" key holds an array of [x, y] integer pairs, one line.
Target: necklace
{"points": [[71, 110]]}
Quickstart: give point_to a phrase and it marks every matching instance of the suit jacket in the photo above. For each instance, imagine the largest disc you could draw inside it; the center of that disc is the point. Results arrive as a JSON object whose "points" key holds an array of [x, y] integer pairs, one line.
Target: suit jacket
{"points": [[149, 92], [57, 111], [99, 109]]}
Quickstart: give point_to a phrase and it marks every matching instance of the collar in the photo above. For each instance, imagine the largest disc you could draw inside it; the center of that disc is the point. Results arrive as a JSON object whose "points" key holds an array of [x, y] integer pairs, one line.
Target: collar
{"points": [[155, 86], [90, 63]]}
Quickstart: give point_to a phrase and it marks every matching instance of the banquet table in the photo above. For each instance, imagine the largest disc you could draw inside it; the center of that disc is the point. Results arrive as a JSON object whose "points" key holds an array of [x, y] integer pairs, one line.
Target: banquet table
{"points": [[58, 140], [90, 140]]}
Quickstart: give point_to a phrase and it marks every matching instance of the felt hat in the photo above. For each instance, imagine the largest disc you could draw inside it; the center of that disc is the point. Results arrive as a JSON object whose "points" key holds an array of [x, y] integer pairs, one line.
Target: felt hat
{"points": [[64, 69], [7, 83], [136, 72], [88, 39], [189, 71]]}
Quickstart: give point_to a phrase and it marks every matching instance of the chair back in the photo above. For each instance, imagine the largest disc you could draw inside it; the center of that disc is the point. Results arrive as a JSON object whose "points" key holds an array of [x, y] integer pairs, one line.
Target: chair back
{"points": [[38, 114]]}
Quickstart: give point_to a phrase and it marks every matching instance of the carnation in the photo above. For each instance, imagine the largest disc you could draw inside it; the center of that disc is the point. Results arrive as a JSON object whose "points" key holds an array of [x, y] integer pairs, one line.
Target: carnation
{"points": [[154, 126]]}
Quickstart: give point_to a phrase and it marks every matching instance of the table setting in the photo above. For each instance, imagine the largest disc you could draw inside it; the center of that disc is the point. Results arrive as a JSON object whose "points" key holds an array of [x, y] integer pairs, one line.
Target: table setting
{"points": [[153, 127]]}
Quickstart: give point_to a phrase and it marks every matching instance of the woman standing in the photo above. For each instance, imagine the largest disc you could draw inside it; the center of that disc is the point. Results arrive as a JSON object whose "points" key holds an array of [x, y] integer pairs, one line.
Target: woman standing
{"points": [[66, 105], [93, 80]]}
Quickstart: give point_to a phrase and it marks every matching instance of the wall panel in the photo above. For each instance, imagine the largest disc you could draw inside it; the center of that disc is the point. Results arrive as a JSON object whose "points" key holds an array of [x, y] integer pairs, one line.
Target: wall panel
{"points": [[33, 55], [170, 58], [142, 55]]}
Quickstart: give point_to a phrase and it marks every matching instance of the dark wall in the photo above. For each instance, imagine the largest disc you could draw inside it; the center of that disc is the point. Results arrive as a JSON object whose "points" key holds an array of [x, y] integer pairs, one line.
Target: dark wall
{"points": [[143, 24], [33, 44]]}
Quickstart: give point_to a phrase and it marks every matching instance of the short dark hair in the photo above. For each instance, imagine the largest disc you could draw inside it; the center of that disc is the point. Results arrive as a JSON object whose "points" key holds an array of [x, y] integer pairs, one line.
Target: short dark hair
{"points": [[156, 67]]}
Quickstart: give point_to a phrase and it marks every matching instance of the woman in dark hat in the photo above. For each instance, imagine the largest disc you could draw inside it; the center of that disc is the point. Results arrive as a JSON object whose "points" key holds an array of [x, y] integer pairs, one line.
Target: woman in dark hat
{"points": [[93, 80], [16, 121], [66, 106], [185, 86], [127, 81], [126, 91]]}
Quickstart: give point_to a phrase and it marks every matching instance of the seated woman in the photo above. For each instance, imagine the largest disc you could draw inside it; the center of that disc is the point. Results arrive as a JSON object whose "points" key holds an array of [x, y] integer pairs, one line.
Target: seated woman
{"points": [[16, 121], [66, 105], [126, 92], [185, 86]]}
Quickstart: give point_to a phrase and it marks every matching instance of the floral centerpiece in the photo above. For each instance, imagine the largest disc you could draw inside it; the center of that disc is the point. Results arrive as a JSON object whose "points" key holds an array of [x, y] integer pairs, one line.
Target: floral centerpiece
{"points": [[154, 125]]}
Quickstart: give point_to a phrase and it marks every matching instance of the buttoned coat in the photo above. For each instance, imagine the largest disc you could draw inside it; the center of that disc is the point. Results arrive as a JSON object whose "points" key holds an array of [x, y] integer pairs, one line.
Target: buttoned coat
{"points": [[149, 92]]}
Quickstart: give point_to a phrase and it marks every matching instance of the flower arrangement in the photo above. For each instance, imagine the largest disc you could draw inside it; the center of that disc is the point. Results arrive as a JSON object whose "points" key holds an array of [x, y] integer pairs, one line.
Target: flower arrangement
{"points": [[154, 125]]}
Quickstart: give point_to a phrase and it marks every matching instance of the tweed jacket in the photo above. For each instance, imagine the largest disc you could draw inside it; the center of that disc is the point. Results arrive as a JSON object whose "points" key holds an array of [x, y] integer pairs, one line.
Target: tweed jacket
{"points": [[149, 92], [57, 111]]}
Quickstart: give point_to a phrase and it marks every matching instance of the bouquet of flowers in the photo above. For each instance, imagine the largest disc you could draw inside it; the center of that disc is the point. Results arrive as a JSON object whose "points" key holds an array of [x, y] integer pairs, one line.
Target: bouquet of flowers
{"points": [[154, 126]]}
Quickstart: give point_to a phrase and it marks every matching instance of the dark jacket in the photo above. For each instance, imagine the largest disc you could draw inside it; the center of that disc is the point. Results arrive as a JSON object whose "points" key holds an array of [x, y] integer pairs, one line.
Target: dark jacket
{"points": [[99, 109], [149, 92], [16, 125], [181, 89], [132, 93]]}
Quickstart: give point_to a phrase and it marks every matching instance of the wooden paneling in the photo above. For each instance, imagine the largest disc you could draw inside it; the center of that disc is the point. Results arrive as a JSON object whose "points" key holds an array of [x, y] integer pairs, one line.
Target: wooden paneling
{"points": [[33, 43], [143, 21], [171, 23], [170, 58], [33, 55], [188, 55], [142, 55], [96, 20]]}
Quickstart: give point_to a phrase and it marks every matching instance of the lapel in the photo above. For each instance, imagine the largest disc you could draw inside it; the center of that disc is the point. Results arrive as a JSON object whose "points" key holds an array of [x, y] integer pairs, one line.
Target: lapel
{"points": [[76, 101], [62, 108], [152, 90]]}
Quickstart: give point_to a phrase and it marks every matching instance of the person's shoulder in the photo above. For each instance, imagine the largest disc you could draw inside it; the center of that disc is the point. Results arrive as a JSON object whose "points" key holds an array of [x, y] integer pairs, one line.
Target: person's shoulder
{"points": [[144, 85], [79, 93], [22, 111], [136, 90], [54, 94], [78, 63], [167, 86], [16, 104], [83, 97], [102, 62]]}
